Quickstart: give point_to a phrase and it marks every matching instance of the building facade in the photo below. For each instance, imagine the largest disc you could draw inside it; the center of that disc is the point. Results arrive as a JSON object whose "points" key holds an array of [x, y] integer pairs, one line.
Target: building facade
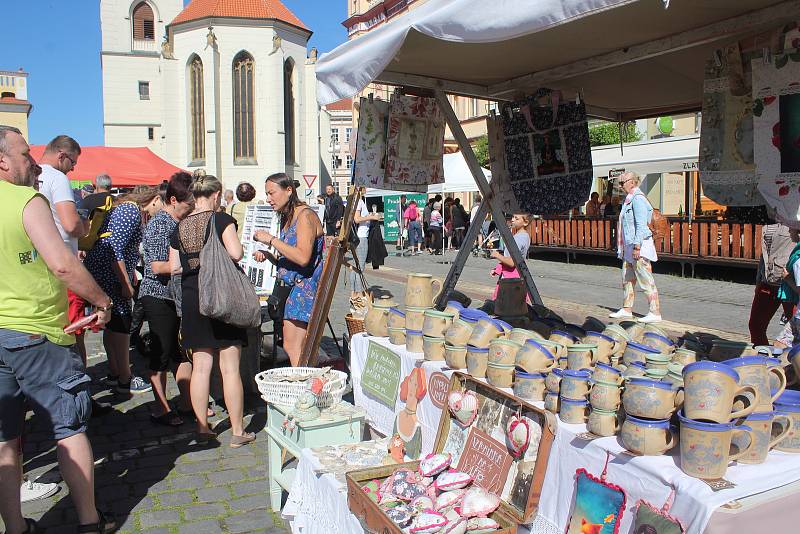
{"points": [[14, 105], [227, 86], [340, 160]]}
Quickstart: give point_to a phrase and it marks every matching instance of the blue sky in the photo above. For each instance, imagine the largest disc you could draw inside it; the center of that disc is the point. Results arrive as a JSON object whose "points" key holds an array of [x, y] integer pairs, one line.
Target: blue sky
{"points": [[58, 43]]}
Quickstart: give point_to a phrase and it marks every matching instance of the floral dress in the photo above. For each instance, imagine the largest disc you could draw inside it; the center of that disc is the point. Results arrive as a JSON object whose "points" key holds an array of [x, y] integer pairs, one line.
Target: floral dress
{"points": [[304, 280]]}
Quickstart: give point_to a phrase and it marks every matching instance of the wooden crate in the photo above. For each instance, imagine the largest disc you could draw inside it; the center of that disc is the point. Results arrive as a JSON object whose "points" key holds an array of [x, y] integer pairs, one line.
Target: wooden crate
{"points": [[521, 481]]}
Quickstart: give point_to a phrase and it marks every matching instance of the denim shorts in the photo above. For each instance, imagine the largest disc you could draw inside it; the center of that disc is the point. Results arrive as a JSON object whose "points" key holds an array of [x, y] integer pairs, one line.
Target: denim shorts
{"points": [[50, 377]]}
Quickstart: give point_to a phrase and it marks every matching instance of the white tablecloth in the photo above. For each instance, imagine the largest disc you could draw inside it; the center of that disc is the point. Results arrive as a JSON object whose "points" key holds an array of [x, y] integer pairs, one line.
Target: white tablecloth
{"points": [[648, 478]]}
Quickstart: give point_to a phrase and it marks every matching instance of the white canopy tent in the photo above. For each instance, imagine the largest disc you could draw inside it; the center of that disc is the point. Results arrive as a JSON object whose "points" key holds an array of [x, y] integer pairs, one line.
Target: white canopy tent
{"points": [[457, 179]]}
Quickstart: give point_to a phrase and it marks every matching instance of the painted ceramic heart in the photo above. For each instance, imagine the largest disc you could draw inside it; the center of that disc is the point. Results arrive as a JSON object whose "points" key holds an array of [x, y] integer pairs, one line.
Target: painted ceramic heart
{"points": [[518, 433], [463, 406], [478, 502]]}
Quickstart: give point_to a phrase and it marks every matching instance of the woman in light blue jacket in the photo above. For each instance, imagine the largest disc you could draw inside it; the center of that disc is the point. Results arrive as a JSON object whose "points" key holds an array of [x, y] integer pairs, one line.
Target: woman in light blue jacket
{"points": [[636, 249]]}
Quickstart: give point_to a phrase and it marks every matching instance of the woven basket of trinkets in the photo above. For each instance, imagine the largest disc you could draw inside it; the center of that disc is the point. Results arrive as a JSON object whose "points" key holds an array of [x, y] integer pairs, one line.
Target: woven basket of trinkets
{"points": [[285, 384]]}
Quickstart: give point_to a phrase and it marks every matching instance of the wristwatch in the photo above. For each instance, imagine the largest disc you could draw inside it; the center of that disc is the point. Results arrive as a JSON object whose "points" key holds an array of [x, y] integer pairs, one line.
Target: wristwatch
{"points": [[105, 308]]}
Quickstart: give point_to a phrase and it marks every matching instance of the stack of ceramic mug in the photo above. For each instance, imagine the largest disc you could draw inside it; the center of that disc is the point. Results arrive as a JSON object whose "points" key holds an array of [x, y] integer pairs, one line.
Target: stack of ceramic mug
{"points": [[459, 334], [420, 296], [485, 330], [605, 398]]}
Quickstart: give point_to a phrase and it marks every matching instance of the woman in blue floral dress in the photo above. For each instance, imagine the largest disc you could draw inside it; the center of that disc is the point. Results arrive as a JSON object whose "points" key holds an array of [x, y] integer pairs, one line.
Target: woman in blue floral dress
{"points": [[299, 259]]}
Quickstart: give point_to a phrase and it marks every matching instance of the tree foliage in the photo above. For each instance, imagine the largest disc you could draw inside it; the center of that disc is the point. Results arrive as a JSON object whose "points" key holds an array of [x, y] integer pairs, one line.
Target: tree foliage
{"points": [[607, 133], [481, 150]]}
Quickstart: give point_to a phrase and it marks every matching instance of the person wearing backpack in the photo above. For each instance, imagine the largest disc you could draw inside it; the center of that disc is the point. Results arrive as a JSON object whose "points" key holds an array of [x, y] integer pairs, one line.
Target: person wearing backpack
{"points": [[636, 249], [777, 242]]}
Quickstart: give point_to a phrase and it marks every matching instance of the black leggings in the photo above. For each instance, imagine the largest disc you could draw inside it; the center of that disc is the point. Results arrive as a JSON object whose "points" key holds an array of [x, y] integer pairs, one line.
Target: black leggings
{"points": [[163, 320], [436, 238]]}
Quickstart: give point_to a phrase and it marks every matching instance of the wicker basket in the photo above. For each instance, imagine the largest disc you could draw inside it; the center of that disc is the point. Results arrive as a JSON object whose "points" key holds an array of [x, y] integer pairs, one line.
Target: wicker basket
{"points": [[287, 393], [354, 326]]}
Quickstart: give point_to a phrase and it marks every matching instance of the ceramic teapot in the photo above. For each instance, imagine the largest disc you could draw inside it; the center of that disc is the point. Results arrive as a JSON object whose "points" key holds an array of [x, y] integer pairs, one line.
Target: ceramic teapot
{"points": [[419, 290]]}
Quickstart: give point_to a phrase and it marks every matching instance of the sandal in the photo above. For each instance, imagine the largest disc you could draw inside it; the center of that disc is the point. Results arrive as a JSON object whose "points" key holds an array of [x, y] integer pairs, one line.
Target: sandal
{"points": [[104, 525], [205, 437], [167, 419], [240, 441]]}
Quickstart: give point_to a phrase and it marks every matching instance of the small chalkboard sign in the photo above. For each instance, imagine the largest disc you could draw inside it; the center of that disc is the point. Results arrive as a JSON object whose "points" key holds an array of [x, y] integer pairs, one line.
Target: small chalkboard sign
{"points": [[381, 375], [486, 460]]}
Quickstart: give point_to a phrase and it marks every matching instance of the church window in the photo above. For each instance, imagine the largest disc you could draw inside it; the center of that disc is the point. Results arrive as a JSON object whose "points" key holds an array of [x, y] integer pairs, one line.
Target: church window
{"points": [[288, 110], [144, 22], [197, 110], [144, 90], [244, 145]]}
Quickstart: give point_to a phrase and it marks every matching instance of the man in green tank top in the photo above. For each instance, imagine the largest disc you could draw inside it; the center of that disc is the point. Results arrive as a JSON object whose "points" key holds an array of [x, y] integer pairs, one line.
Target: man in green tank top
{"points": [[38, 363]]}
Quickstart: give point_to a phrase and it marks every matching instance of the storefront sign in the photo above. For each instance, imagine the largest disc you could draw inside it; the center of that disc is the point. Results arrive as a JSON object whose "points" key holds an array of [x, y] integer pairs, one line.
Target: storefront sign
{"points": [[438, 384], [486, 460], [614, 173], [381, 376], [691, 166]]}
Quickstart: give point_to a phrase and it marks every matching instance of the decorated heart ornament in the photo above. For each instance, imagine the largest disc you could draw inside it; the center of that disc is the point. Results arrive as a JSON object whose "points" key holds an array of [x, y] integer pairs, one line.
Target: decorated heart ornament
{"points": [[428, 522], [373, 490], [478, 502], [463, 406], [433, 464], [452, 480], [455, 523], [422, 503], [482, 525], [518, 433], [448, 499], [400, 515]]}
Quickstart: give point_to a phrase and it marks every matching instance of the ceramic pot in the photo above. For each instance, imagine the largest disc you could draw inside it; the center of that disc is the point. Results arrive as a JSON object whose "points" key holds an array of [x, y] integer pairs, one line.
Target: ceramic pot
{"points": [[707, 448], [788, 404], [754, 371], [710, 389], [485, 331], [552, 402], [433, 347], [633, 370], [764, 434], [648, 437], [414, 341], [511, 295], [477, 360], [436, 323], [459, 332], [658, 342], [529, 386], [556, 349], [722, 350], [415, 318], [499, 375], [602, 422], [618, 334], [520, 335], [774, 381], [651, 399], [377, 321], [503, 351], [397, 319], [657, 361], [455, 356], [793, 357], [651, 328], [420, 292], [581, 356], [606, 345], [635, 330], [605, 396], [684, 356], [603, 372], [553, 380], [575, 385], [533, 355], [454, 307], [636, 352], [573, 412], [562, 337], [397, 336]]}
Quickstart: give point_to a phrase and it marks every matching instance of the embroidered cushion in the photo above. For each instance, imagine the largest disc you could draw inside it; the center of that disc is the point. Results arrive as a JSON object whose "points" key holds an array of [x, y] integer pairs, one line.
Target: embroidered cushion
{"points": [[452, 479], [478, 502], [433, 464]]}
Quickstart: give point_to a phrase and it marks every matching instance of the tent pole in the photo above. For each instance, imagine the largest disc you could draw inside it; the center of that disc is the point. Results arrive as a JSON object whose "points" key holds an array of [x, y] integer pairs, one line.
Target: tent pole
{"points": [[488, 197]]}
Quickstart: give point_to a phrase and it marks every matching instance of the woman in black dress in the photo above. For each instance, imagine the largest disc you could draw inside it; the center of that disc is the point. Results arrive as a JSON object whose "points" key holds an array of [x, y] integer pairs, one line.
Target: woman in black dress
{"points": [[203, 336]]}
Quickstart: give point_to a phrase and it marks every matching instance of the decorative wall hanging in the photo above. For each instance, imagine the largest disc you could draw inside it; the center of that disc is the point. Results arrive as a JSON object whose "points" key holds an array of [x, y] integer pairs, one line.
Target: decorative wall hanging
{"points": [[547, 151], [415, 144], [776, 126], [598, 505], [370, 158], [651, 520], [501, 182]]}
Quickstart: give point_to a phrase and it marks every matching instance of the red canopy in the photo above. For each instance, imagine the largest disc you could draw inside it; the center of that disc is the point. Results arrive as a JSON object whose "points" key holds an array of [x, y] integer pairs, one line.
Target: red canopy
{"points": [[126, 166]]}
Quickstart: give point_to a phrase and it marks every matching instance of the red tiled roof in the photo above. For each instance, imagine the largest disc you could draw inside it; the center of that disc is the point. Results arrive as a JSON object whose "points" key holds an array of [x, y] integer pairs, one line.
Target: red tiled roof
{"points": [[248, 9], [345, 104]]}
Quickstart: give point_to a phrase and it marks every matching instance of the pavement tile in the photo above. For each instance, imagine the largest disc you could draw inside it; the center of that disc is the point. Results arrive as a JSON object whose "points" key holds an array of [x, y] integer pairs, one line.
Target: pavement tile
{"points": [[247, 504], [227, 476], [249, 522], [195, 468], [209, 526], [215, 494], [160, 530], [178, 498], [201, 511], [245, 460], [159, 518], [188, 482], [260, 487]]}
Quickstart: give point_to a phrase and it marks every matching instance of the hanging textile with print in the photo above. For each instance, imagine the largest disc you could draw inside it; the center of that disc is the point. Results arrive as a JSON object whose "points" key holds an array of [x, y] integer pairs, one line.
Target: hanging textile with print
{"points": [[548, 156], [370, 158], [415, 144], [501, 183]]}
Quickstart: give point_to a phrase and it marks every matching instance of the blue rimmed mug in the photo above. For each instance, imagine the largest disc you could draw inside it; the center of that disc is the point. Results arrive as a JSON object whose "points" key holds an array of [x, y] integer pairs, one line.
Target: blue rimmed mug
{"points": [[707, 448], [769, 429], [710, 390], [648, 437], [788, 404], [575, 384]]}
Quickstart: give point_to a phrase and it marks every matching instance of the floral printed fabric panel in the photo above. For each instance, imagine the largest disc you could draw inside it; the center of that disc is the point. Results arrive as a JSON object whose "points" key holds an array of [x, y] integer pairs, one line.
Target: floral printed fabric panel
{"points": [[598, 506], [776, 126], [415, 144], [501, 182], [547, 154], [370, 162], [727, 168]]}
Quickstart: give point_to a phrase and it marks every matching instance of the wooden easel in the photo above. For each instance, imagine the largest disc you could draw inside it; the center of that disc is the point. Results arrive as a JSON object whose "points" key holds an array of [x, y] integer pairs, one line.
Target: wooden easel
{"points": [[334, 258]]}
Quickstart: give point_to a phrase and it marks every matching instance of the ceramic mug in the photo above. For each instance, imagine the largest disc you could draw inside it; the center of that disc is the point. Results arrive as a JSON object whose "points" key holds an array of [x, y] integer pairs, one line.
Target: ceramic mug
{"points": [[606, 345], [763, 435], [603, 422], [477, 360], [455, 356], [794, 358], [529, 386], [674, 374], [376, 321], [619, 335], [454, 307], [433, 347], [648, 437], [605, 396], [397, 336], [552, 402], [415, 318], [573, 412], [755, 371], [459, 332], [658, 361], [503, 351], [520, 335], [684, 356], [710, 390], [706, 448], [485, 331], [657, 341], [651, 399], [633, 370], [563, 338], [436, 323], [575, 384], [655, 374], [414, 341], [553, 380], [636, 352], [556, 349], [419, 290], [533, 355], [634, 329], [397, 319], [580, 356], [788, 404], [500, 375], [605, 373]]}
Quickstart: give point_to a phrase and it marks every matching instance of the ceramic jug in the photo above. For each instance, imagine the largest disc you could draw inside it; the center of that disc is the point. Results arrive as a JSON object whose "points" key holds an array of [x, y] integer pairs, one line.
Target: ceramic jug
{"points": [[485, 331], [605, 373], [436, 323], [477, 361], [511, 295], [529, 386], [534, 356], [573, 411], [503, 351], [459, 332], [433, 348], [707, 448], [605, 396], [419, 290], [415, 318], [755, 371], [763, 435], [521, 335], [709, 392], [455, 356], [397, 336]]}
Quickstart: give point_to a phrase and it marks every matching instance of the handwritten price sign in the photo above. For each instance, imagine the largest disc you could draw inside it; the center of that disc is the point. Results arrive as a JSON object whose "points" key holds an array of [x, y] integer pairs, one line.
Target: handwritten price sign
{"points": [[381, 375], [486, 460]]}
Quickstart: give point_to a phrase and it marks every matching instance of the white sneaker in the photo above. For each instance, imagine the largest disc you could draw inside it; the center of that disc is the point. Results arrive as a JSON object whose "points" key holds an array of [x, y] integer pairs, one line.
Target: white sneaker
{"points": [[650, 318], [621, 314], [33, 491]]}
